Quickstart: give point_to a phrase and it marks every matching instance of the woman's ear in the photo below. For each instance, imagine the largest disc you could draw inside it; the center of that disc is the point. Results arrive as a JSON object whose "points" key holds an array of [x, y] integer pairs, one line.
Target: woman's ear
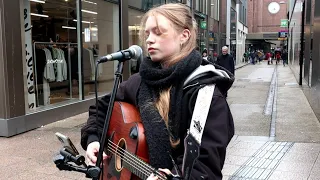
{"points": [[185, 35]]}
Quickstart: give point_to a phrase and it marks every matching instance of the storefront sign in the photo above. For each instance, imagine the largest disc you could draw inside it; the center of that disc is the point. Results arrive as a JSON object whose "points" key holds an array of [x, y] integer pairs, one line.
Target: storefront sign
{"points": [[282, 39], [283, 34], [284, 23], [203, 25]]}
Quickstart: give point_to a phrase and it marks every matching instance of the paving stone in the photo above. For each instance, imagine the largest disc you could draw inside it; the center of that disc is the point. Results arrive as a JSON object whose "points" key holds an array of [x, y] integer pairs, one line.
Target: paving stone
{"points": [[236, 160], [241, 152], [229, 169], [284, 175], [295, 167], [299, 157]]}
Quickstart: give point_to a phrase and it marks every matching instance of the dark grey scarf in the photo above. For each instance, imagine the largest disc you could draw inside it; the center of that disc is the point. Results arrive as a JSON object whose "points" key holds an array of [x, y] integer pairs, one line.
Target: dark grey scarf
{"points": [[154, 79]]}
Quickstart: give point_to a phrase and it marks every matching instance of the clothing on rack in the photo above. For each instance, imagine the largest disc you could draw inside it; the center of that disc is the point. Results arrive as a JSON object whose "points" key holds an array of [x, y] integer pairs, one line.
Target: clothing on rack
{"points": [[40, 64], [61, 65], [48, 76], [52, 63], [49, 69], [51, 66], [89, 64]]}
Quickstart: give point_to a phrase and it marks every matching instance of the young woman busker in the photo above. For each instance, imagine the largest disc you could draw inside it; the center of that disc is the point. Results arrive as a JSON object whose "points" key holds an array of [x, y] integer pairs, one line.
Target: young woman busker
{"points": [[168, 33]]}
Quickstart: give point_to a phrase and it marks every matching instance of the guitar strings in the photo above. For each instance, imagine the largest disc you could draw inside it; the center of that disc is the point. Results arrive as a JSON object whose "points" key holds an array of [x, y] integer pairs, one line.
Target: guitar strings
{"points": [[131, 159], [144, 172], [149, 171]]}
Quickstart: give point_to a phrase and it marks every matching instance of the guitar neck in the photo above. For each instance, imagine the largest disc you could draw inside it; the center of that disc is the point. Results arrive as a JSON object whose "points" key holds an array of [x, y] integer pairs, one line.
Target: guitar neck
{"points": [[139, 167]]}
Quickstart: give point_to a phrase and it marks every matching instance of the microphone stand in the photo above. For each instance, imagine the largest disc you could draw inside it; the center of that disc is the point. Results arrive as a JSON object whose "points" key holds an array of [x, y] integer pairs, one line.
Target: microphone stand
{"points": [[62, 159], [96, 169]]}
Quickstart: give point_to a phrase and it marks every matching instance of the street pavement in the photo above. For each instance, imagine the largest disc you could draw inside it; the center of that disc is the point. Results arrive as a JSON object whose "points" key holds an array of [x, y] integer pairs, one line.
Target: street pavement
{"points": [[277, 133]]}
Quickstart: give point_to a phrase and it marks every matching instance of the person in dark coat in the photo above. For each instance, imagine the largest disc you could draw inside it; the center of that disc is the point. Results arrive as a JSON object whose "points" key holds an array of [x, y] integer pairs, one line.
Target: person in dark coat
{"points": [[206, 57], [226, 60], [165, 103], [253, 57], [284, 57]]}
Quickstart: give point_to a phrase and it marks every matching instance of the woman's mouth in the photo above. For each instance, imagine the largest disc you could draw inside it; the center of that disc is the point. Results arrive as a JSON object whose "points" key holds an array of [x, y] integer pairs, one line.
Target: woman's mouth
{"points": [[151, 49]]}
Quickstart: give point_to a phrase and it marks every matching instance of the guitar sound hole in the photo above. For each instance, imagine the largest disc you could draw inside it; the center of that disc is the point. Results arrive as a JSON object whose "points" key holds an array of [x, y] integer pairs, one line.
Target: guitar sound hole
{"points": [[120, 154]]}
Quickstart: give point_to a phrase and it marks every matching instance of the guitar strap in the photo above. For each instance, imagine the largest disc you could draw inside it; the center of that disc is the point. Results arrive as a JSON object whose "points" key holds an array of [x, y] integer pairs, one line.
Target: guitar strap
{"points": [[192, 141], [200, 112]]}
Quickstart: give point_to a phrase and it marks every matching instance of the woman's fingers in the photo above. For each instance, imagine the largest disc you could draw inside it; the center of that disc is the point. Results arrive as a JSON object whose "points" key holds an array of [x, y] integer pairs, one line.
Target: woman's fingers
{"points": [[104, 156], [167, 171], [152, 177], [92, 159]]}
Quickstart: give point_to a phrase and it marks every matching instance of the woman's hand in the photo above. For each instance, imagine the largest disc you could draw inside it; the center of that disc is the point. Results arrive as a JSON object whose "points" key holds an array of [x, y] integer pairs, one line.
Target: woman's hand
{"points": [[153, 177], [92, 153]]}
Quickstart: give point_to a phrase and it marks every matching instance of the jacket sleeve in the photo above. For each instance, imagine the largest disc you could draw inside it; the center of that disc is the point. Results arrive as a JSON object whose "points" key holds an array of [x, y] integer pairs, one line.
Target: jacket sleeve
{"points": [[93, 129], [218, 131], [218, 61]]}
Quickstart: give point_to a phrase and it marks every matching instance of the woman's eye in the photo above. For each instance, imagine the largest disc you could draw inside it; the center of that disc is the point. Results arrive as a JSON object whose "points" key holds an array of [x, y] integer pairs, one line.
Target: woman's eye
{"points": [[157, 32]]}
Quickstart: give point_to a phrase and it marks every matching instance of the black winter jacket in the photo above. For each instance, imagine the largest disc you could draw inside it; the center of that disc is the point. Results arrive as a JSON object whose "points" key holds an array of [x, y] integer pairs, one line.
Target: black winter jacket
{"points": [[227, 62], [218, 131]]}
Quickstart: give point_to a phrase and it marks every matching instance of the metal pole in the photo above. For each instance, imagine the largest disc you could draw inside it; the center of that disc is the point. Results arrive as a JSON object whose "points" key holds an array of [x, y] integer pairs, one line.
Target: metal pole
{"points": [[80, 63], [301, 43]]}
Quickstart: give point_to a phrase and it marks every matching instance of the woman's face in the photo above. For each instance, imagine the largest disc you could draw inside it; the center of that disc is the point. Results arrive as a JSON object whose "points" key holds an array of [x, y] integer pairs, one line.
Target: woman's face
{"points": [[162, 40]]}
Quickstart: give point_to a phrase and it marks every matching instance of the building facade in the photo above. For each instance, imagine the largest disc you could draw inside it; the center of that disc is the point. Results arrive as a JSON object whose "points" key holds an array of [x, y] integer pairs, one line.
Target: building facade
{"points": [[236, 28], [303, 48], [242, 29], [48, 57], [264, 23]]}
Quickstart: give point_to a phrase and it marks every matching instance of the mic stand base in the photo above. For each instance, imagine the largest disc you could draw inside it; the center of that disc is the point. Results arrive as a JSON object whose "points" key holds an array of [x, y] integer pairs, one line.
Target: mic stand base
{"points": [[62, 164]]}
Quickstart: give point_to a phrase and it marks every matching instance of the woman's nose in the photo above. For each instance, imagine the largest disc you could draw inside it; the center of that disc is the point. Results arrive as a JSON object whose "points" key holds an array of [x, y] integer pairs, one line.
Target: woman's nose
{"points": [[150, 39]]}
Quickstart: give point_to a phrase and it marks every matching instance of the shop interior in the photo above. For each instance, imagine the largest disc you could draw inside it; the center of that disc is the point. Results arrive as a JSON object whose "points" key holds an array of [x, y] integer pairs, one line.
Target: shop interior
{"points": [[55, 51]]}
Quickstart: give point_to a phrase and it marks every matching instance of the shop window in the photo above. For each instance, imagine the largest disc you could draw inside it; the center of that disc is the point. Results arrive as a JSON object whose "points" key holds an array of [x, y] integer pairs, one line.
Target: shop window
{"points": [[55, 73], [100, 35], [52, 53]]}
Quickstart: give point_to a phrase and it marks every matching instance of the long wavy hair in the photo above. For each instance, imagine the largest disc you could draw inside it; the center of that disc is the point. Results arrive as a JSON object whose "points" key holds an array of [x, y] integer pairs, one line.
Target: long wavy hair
{"points": [[181, 18]]}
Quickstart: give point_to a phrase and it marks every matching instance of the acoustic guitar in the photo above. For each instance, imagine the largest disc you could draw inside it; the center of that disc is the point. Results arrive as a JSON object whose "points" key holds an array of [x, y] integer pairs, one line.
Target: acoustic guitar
{"points": [[127, 146]]}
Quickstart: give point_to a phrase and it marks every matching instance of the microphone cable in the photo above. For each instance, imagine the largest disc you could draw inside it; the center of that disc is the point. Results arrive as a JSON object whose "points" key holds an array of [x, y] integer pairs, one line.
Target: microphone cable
{"points": [[97, 108]]}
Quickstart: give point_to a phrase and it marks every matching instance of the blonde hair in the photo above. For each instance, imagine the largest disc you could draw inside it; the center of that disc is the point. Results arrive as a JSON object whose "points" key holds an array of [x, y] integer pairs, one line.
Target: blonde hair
{"points": [[181, 18]]}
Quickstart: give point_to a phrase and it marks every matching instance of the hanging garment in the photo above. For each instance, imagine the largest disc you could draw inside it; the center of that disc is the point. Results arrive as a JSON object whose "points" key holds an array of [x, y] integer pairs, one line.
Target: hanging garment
{"points": [[46, 92], [48, 76], [61, 66], [49, 69], [92, 63], [40, 64]]}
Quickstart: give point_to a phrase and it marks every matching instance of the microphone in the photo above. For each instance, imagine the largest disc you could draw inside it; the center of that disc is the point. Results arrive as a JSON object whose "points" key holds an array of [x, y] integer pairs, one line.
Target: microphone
{"points": [[133, 52]]}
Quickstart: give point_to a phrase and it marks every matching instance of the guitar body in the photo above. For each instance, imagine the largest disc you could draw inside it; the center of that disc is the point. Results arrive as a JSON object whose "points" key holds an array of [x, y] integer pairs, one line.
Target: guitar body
{"points": [[126, 132]]}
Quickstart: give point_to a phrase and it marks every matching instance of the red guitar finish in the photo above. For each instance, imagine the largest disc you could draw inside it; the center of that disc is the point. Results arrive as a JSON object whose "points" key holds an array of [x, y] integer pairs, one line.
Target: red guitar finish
{"points": [[125, 119]]}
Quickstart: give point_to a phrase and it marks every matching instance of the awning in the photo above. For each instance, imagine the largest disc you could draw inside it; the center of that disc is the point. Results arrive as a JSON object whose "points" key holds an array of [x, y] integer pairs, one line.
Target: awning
{"points": [[269, 42], [258, 41]]}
